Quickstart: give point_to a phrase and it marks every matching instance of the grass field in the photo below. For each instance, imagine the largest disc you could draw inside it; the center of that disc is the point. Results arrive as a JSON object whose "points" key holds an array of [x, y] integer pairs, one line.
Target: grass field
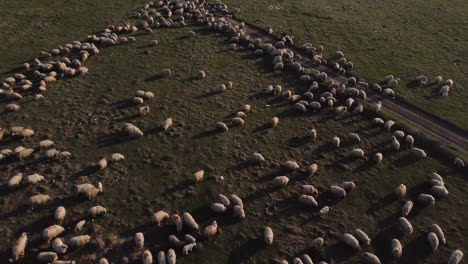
{"points": [[405, 39], [85, 114]]}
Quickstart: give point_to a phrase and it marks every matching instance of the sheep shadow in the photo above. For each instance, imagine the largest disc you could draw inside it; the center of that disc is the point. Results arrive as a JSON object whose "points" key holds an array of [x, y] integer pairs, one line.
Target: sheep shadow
{"points": [[180, 186], [206, 95], [406, 160], [245, 251], [263, 128], [208, 133], [122, 104], [382, 203], [154, 78], [296, 142], [413, 84], [418, 249], [339, 252]]}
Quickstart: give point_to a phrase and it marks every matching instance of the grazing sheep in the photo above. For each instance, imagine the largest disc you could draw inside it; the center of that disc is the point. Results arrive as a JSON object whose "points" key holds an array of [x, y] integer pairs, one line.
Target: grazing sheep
{"points": [[405, 226], [239, 211], [79, 225], [189, 239], [308, 200], [422, 80], [433, 241], [388, 125], [317, 243], [459, 162], [144, 110], [12, 107], [46, 143], [46, 257], [309, 189], [406, 209], [241, 115], [256, 158], [189, 221], [166, 124], [19, 247], [147, 257], [60, 213], [300, 107], [104, 261], [336, 142], [362, 237], [418, 153], [175, 241], [306, 259], [171, 256], [224, 200], [159, 216], [378, 121], [378, 157], [235, 200], [438, 231], [274, 121], [177, 221], [357, 153], [397, 249], [39, 97], [437, 80], [97, 211], [370, 258], [219, 88], [439, 191], [222, 126], [166, 73], [201, 75], [280, 181], [58, 246], [444, 90], [400, 191], [297, 261], [312, 169], [218, 208], [351, 241], [51, 153], [161, 257], [341, 110], [237, 121], [455, 257], [132, 130], [337, 191], [188, 248], [137, 100], [102, 163], [268, 235], [354, 137], [399, 134], [198, 176], [139, 240], [87, 190], [52, 232], [291, 165], [409, 140], [426, 199], [211, 230], [79, 241], [38, 199], [325, 210], [313, 134], [15, 180]]}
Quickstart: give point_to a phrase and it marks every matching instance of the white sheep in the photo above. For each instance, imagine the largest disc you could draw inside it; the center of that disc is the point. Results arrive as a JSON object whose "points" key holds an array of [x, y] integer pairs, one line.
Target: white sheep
{"points": [[218, 208], [426, 199], [309, 189], [188, 248], [354, 137], [312, 169], [189, 221], [256, 158], [52, 232], [336, 142], [171, 256], [224, 200], [422, 80], [132, 130], [34, 178], [437, 80], [166, 73], [235, 200], [38, 199], [58, 246], [222, 127], [378, 157], [219, 88], [397, 249], [177, 221], [362, 237], [147, 257], [87, 190], [351, 241], [79, 225], [370, 258], [12, 107], [395, 143], [439, 191], [337, 191], [166, 124], [438, 231], [46, 257], [201, 75], [459, 162], [97, 211], [139, 240], [105, 261], [406, 209], [20, 247], [291, 165], [418, 153], [405, 225], [144, 110], [268, 235], [308, 200], [15, 180], [317, 243], [211, 229], [455, 257], [388, 125], [400, 191], [239, 211], [433, 241], [78, 241], [409, 140], [378, 121], [280, 181], [348, 186], [60, 213], [161, 257], [237, 121], [306, 259], [357, 153], [159, 217]]}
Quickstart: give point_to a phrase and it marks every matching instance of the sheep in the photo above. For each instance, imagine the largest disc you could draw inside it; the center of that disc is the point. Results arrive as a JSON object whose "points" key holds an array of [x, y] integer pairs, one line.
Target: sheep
{"points": [[317, 243], [409, 140], [189, 221], [173, 240], [86, 190], [177, 221], [137, 100], [144, 110], [362, 237], [309, 189], [439, 191], [237, 121], [421, 80], [15, 180], [354, 137], [60, 213], [12, 107], [104, 261], [159, 217], [444, 90], [235, 200], [336, 142], [139, 240], [351, 241], [405, 226], [274, 121], [268, 235], [166, 73], [132, 130], [219, 88], [239, 212], [438, 231], [341, 110], [291, 165], [20, 246], [406, 209], [397, 249], [161, 257], [459, 162], [58, 246], [395, 143], [280, 181], [378, 121], [222, 127], [78, 241], [166, 124], [246, 108], [312, 169], [38, 199], [399, 134], [433, 241], [449, 83], [256, 158], [97, 211], [46, 257], [300, 107], [308, 200], [79, 225], [348, 186], [306, 259], [198, 176], [337, 191], [147, 257], [218, 208], [51, 153], [388, 125], [297, 261], [357, 153], [224, 200], [189, 239], [418, 153], [388, 92], [201, 75], [455, 257], [171, 256], [211, 229], [46, 143], [370, 258], [153, 43], [52, 232], [400, 191], [188, 248], [378, 157], [426, 199], [241, 114], [325, 210]]}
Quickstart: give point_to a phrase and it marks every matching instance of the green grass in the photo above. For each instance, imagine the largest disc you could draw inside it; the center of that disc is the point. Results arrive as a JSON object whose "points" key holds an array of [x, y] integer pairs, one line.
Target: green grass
{"points": [[85, 114], [406, 39]]}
